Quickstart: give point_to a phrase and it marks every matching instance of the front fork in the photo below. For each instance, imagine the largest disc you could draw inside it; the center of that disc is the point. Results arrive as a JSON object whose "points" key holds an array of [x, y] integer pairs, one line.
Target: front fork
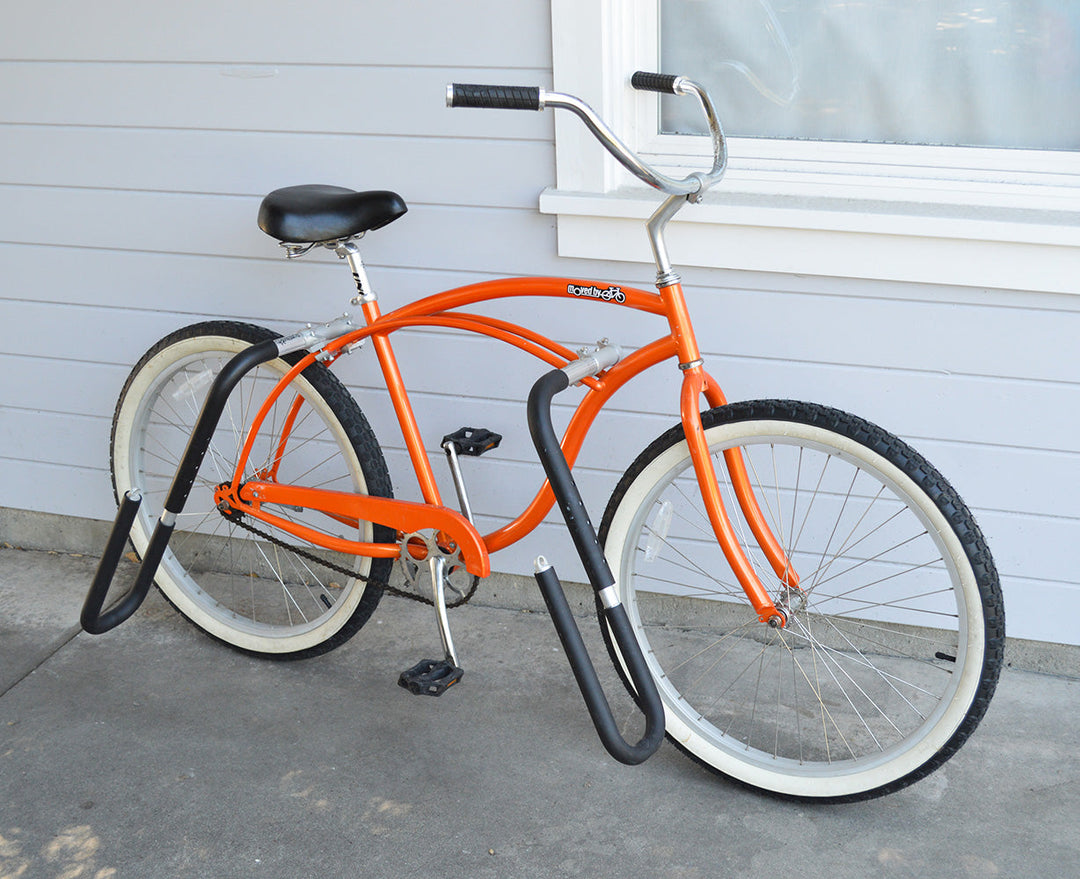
{"points": [[695, 384]]}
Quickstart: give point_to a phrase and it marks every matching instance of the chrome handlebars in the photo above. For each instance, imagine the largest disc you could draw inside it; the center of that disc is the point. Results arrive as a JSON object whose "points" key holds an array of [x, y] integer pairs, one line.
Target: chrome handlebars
{"points": [[518, 98]]}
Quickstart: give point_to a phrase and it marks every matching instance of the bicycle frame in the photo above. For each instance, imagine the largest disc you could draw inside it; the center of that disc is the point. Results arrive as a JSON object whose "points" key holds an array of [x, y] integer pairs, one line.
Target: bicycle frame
{"points": [[251, 599], [405, 517]]}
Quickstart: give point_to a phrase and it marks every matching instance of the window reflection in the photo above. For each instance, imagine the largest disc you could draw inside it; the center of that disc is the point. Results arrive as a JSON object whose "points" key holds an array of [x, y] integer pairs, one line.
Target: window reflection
{"points": [[995, 73]]}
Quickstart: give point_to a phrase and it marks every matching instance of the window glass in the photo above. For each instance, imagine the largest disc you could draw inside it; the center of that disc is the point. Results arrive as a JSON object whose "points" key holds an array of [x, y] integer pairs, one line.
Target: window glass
{"points": [[988, 73]]}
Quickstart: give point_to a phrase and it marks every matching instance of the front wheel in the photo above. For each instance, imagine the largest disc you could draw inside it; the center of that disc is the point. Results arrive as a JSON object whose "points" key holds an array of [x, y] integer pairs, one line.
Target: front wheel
{"points": [[894, 637]]}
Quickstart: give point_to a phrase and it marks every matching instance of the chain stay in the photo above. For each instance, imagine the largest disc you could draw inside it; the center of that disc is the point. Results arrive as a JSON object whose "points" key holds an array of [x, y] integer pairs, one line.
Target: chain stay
{"points": [[237, 518]]}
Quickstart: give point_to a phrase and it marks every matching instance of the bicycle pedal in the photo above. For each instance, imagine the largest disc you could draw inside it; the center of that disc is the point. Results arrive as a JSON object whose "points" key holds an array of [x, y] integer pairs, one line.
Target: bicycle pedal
{"points": [[473, 441], [430, 677]]}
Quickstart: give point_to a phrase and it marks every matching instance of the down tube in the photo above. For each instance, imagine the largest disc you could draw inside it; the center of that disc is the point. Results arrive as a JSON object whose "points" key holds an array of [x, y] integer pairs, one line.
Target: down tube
{"points": [[576, 431]]}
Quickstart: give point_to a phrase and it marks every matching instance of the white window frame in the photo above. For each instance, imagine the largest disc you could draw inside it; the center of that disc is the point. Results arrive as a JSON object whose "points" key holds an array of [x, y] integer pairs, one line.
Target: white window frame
{"points": [[947, 215]]}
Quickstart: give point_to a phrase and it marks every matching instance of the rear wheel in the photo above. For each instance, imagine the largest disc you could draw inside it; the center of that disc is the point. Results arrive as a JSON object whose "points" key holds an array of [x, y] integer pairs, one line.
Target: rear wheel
{"points": [[268, 593], [894, 638]]}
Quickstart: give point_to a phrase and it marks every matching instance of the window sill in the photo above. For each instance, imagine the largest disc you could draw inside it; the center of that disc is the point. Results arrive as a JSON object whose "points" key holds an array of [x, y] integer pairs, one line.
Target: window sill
{"points": [[849, 237]]}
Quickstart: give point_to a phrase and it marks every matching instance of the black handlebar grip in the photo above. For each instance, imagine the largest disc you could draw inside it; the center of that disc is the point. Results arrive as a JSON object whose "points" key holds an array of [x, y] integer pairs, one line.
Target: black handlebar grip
{"points": [[654, 82], [495, 97]]}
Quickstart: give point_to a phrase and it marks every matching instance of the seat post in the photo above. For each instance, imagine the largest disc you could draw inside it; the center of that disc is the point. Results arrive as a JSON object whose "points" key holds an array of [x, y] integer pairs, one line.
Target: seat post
{"points": [[348, 250]]}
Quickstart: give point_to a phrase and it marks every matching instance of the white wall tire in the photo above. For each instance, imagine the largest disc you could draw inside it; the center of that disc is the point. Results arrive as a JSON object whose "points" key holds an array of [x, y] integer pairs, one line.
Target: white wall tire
{"points": [[893, 647]]}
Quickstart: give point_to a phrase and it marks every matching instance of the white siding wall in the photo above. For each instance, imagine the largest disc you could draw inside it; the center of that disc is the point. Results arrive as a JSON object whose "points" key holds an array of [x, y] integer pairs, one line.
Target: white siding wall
{"points": [[136, 141]]}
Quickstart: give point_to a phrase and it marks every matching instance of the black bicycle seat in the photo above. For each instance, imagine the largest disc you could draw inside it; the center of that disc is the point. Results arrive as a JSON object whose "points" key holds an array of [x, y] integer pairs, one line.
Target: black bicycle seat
{"points": [[314, 212]]}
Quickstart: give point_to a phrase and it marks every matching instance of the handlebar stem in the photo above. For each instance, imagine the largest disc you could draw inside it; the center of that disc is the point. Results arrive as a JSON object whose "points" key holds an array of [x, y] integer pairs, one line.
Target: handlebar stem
{"points": [[665, 274]]}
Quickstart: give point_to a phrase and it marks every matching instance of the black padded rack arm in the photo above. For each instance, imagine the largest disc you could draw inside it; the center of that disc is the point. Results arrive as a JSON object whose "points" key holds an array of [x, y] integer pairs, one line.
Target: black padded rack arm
{"points": [[596, 567], [93, 619]]}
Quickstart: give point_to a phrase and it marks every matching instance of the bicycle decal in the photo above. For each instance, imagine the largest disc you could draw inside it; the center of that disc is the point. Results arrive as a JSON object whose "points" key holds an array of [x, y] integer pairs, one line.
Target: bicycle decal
{"points": [[608, 294]]}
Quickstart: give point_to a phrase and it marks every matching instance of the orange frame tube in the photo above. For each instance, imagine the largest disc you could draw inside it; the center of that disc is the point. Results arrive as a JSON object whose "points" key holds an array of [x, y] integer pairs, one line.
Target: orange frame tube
{"points": [[437, 311]]}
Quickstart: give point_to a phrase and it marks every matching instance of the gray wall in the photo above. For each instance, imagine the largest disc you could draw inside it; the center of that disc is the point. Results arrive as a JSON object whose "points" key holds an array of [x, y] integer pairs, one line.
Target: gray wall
{"points": [[137, 139]]}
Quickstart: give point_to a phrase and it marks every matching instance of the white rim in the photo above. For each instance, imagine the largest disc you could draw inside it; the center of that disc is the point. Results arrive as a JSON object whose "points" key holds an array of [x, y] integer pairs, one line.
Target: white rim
{"points": [[786, 776]]}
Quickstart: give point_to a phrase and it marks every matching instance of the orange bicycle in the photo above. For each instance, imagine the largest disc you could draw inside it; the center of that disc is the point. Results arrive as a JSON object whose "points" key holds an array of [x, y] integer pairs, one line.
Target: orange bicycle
{"points": [[798, 598]]}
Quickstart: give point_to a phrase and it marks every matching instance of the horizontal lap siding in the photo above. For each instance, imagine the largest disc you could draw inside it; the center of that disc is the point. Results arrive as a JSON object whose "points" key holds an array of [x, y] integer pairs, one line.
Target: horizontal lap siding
{"points": [[132, 159], [136, 146], [480, 33]]}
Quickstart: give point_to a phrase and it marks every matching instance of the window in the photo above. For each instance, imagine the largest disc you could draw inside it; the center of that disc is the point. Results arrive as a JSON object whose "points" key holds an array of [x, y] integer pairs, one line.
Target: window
{"points": [[899, 199], [983, 73]]}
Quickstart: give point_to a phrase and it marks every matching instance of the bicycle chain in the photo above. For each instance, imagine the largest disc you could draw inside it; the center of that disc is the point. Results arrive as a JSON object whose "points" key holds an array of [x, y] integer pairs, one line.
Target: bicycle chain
{"points": [[237, 518]]}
